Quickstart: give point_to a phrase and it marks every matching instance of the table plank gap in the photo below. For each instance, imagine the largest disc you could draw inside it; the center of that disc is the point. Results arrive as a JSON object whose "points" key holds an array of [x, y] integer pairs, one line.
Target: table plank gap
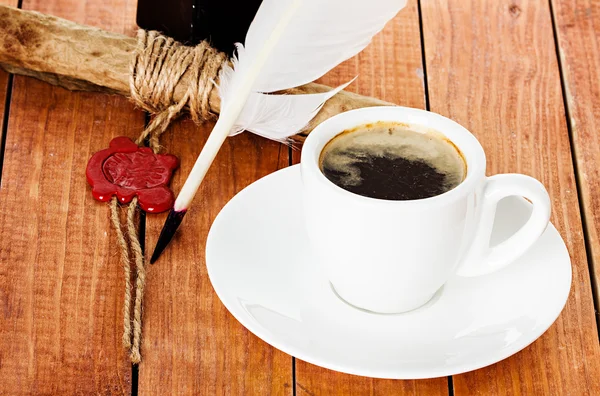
{"points": [[6, 83], [61, 291], [423, 59], [576, 27], [492, 68]]}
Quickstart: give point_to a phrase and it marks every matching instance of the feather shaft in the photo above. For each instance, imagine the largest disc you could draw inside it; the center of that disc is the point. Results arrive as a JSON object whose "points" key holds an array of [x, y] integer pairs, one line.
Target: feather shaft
{"points": [[229, 114]]}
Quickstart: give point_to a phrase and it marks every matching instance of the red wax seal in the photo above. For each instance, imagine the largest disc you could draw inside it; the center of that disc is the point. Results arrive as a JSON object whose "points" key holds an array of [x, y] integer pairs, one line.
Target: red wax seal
{"points": [[126, 170]]}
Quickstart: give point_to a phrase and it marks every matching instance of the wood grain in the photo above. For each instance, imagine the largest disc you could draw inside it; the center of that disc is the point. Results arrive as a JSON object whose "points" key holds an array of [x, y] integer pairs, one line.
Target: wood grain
{"points": [[191, 344], [390, 69], [492, 67], [3, 89], [577, 24], [61, 285]]}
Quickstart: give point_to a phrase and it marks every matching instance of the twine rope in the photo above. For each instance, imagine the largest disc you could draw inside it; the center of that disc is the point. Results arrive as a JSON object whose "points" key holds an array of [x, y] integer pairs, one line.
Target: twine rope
{"points": [[127, 245], [157, 69], [116, 222], [140, 281]]}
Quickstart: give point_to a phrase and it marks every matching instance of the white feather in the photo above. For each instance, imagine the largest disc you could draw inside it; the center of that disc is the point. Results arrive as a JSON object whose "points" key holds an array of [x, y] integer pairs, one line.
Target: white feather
{"points": [[320, 35], [289, 43], [277, 117]]}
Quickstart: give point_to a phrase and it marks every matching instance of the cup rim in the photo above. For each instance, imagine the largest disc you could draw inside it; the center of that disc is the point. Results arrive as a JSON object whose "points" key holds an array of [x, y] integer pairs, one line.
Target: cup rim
{"points": [[469, 146]]}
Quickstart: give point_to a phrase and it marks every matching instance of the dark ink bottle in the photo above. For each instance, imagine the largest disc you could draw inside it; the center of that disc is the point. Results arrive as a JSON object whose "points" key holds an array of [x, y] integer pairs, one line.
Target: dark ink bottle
{"points": [[221, 22]]}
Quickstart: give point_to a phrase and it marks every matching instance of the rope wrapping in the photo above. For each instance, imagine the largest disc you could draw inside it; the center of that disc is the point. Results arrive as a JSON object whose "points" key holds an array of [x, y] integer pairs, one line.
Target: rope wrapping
{"points": [[158, 65]]}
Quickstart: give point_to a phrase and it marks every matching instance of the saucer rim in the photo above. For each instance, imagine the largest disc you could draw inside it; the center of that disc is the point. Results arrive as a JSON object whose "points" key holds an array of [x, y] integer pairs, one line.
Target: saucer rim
{"points": [[262, 333]]}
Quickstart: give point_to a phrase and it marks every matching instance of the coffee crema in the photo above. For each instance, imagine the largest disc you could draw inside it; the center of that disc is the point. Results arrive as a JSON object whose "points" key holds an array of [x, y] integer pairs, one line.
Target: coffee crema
{"points": [[389, 160]]}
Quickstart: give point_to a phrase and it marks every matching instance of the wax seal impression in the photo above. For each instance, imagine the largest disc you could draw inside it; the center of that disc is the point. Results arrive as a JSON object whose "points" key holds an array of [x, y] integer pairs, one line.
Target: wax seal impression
{"points": [[127, 170]]}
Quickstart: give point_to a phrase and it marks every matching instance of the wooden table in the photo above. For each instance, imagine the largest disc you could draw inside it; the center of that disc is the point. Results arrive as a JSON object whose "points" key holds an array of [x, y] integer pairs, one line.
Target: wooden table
{"points": [[523, 76]]}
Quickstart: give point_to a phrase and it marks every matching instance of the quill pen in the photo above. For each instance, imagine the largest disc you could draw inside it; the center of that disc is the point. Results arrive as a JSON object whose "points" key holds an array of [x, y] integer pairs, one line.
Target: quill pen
{"points": [[289, 43]]}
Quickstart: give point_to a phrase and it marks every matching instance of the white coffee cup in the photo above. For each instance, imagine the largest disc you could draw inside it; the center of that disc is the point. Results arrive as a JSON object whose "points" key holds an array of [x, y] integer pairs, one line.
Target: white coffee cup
{"points": [[393, 256]]}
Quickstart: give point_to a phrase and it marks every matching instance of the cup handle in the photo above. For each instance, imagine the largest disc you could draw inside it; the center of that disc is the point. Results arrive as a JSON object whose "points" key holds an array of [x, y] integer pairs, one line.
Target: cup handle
{"points": [[482, 259]]}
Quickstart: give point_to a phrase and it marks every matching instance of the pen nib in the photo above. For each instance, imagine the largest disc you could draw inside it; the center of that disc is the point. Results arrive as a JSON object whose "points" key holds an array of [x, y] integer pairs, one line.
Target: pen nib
{"points": [[166, 234]]}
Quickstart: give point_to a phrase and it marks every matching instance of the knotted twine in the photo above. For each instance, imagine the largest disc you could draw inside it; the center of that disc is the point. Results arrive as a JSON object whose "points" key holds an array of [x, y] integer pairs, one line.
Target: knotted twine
{"points": [[158, 66]]}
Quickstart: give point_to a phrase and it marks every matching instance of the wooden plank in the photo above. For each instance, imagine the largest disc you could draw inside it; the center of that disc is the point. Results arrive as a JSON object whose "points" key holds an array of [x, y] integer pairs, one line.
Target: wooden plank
{"points": [[3, 89], [191, 344], [577, 24], [389, 69], [61, 282], [492, 67]]}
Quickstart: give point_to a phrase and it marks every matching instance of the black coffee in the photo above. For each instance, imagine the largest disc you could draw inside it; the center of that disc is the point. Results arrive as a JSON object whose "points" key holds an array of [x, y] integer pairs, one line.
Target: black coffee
{"points": [[390, 161]]}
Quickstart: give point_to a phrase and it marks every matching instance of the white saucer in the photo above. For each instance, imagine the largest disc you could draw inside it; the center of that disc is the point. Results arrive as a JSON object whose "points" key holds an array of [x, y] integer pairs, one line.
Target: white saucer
{"points": [[262, 269]]}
